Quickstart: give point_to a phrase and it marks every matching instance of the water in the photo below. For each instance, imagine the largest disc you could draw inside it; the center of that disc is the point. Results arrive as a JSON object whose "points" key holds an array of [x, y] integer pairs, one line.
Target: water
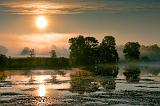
{"points": [[80, 87]]}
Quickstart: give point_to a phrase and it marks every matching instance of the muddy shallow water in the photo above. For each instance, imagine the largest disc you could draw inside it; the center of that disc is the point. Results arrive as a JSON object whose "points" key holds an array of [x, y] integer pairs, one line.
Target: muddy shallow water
{"points": [[78, 87]]}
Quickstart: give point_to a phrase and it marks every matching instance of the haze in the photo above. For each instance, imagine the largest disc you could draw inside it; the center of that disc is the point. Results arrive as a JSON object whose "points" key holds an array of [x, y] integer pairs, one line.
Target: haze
{"points": [[126, 20]]}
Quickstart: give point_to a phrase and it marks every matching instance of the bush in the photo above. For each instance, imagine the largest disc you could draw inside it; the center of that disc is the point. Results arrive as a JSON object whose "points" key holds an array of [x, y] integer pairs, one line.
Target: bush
{"points": [[3, 61]]}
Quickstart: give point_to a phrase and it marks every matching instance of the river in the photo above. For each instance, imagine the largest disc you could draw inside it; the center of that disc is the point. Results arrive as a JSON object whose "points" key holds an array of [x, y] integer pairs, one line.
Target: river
{"points": [[77, 87]]}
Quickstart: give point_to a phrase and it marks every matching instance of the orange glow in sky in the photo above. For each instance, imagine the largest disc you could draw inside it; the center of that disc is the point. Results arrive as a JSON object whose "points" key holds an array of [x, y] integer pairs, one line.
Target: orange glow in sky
{"points": [[41, 22]]}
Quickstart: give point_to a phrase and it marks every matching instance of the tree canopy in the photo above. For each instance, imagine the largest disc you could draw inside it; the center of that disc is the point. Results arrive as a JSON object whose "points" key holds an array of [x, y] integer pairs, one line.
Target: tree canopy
{"points": [[132, 50], [3, 50], [25, 51], [108, 52], [88, 51], [53, 54], [3, 61], [28, 51]]}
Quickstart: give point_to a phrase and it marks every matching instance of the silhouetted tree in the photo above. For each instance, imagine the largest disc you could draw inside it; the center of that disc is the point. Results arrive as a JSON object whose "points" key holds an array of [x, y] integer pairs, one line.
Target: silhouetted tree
{"points": [[107, 49], [83, 51], [32, 53], [3, 50], [3, 61], [91, 50], [154, 48], [150, 53], [132, 73], [53, 54], [28, 51], [25, 51], [77, 46], [132, 50], [86, 51]]}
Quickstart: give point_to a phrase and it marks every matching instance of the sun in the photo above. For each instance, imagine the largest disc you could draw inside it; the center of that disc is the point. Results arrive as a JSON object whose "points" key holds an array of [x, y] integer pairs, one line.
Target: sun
{"points": [[41, 22]]}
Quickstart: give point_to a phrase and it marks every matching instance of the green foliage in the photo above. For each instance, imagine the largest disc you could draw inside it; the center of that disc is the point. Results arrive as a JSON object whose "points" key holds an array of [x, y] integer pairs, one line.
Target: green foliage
{"points": [[90, 50], [83, 50], [151, 53], [108, 52], [86, 51], [132, 50], [77, 54], [53, 54], [60, 62], [132, 73], [39, 63], [3, 50], [3, 61], [28, 51], [153, 47], [32, 53], [25, 51]]}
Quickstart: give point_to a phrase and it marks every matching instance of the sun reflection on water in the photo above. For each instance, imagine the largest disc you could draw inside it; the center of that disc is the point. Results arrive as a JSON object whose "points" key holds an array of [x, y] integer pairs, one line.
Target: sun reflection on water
{"points": [[42, 90]]}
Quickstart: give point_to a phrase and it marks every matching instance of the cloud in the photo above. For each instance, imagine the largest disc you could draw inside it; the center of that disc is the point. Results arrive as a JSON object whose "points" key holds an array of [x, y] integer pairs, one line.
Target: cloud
{"points": [[73, 6]]}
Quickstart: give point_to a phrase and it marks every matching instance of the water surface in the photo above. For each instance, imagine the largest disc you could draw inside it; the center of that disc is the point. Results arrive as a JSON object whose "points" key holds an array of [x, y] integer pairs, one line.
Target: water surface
{"points": [[80, 87]]}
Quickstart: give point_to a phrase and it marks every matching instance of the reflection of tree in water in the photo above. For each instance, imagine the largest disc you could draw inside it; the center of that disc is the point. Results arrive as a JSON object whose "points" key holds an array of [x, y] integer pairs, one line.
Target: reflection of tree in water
{"points": [[132, 73], [3, 75], [81, 82], [108, 84], [104, 70], [85, 81], [29, 74], [60, 72], [155, 71]]}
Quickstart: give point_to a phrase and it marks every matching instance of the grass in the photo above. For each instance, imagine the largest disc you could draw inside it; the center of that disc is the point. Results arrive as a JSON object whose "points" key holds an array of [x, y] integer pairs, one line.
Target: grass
{"points": [[38, 63]]}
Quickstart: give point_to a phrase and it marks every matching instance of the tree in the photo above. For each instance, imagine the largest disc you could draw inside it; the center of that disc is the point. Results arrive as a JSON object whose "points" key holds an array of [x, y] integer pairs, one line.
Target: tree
{"points": [[3, 61], [150, 53], [132, 73], [53, 54], [107, 49], [83, 50], [86, 50], [28, 51], [32, 52], [3, 50], [132, 50], [90, 50], [25, 51], [91, 42], [77, 46]]}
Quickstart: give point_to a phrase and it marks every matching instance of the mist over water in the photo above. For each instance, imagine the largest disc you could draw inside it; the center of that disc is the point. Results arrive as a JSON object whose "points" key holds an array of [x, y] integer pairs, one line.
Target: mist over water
{"points": [[65, 85]]}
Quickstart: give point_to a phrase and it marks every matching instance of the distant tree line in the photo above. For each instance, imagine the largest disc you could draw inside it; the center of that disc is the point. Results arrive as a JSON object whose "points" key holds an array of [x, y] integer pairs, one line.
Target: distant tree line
{"points": [[132, 51], [32, 62], [83, 51], [153, 48], [150, 53]]}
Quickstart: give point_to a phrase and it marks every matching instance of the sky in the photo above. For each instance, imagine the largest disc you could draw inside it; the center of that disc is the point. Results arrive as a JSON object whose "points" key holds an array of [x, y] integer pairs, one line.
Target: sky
{"points": [[126, 20]]}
